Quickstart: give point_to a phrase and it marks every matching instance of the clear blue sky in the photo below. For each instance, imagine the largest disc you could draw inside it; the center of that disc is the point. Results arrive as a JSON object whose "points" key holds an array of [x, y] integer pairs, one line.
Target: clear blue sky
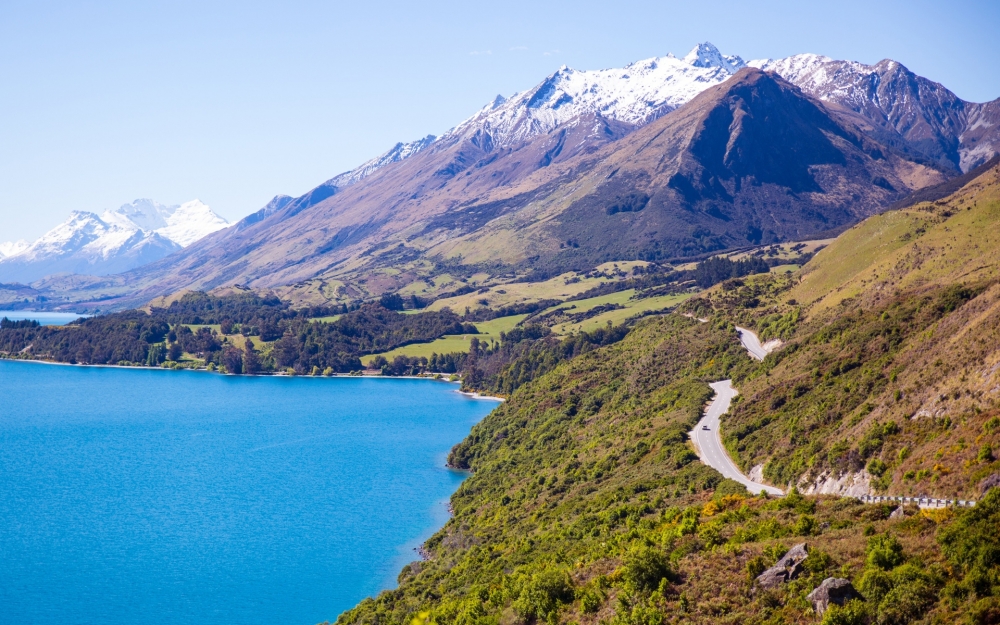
{"points": [[234, 102]]}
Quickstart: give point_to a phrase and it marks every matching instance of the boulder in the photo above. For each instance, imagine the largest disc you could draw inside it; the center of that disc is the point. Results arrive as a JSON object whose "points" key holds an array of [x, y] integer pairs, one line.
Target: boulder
{"points": [[897, 513], [833, 590], [988, 483], [788, 567]]}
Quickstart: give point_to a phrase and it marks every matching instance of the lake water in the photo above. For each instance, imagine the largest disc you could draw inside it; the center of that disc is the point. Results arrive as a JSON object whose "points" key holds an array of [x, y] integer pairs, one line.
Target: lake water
{"points": [[131, 495], [44, 318]]}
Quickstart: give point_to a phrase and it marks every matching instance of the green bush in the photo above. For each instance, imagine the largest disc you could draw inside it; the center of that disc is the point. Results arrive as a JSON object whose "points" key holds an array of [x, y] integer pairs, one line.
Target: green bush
{"points": [[852, 613], [876, 467], [884, 551], [906, 602], [805, 526], [754, 567], [544, 593], [644, 568], [875, 584], [591, 600]]}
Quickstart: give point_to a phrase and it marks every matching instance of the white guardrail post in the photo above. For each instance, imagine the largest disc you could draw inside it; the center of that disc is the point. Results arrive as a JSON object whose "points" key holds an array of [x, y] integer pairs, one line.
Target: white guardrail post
{"points": [[927, 502]]}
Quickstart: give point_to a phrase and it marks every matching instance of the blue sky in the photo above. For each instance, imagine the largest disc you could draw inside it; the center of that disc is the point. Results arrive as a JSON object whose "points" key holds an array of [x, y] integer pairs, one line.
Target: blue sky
{"points": [[234, 102]]}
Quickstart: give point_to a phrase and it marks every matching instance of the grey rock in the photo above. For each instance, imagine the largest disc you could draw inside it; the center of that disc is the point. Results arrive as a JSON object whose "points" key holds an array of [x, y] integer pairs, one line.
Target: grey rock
{"points": [[898, 513], [772, 577], [834, 590], [788, 567], [988, 483]]}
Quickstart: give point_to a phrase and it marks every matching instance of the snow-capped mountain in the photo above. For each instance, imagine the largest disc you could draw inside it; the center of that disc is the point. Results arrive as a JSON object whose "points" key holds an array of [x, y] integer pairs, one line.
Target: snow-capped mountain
{"points": [[117, 240], [183, 224], [908, 111], [13, 247], [634, 94], [397, 153], [927, 118]]}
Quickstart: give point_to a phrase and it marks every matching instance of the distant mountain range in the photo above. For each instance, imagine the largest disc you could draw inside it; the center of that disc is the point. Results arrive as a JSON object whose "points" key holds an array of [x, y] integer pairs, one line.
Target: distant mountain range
{"points": [[666, 158], [118, 240]]}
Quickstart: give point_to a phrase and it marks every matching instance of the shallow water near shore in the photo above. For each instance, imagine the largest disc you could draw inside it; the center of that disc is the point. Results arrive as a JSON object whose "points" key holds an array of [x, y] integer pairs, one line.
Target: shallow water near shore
{"points": [[129, 495]]}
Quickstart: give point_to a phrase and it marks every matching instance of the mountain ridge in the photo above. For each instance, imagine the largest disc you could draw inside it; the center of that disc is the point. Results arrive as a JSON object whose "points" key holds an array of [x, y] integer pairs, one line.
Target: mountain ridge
{"points": [[118, 240], [317, 247]]}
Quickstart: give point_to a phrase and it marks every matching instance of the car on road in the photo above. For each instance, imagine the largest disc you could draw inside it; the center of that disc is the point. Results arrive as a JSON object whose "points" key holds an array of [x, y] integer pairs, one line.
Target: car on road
{"points": [[704, 427]]}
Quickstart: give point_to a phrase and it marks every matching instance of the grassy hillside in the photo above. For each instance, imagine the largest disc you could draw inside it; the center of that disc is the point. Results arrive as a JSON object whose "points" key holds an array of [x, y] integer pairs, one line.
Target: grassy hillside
{"points": [[587, 505], [892, 366]]}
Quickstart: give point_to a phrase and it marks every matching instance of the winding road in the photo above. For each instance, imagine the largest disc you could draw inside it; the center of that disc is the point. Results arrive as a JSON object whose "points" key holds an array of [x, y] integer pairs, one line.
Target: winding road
{"points": [[706, 436], [751, 343]]}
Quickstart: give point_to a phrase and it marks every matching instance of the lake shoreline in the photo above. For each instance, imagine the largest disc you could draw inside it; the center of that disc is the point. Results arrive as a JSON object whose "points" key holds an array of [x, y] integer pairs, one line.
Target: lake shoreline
{"points": [[431, 377]]}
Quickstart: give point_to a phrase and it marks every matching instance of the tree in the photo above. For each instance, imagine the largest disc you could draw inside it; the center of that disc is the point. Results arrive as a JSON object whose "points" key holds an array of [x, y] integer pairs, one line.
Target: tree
{"points": [[232, 358], [391, 301], [251, 361], [174, 351]]}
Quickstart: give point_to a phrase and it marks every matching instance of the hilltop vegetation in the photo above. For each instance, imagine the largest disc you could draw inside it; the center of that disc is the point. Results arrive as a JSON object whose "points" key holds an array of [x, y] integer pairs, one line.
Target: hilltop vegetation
{"points": [[889, 373], [587, 504]]}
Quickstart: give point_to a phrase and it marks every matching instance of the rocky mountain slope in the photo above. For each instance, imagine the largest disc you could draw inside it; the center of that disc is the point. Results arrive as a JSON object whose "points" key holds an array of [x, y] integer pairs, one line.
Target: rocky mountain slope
{"points": [[906, 111], [119, 240], [706, 177]]}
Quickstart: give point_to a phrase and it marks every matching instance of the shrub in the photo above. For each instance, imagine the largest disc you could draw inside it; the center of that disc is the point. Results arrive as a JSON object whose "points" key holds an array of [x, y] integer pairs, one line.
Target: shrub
{"points": [[985, 453], [905, 603], [754, 567], [852, 613], [591, 600], [644, 568], [805, 526], [876, 467], [884, 551], [875, 584], [544, 593]]}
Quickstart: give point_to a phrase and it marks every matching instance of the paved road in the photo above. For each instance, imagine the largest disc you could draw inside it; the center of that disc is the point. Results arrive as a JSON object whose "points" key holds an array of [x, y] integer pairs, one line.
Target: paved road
{"points": [[709, 442], [751, 342]]}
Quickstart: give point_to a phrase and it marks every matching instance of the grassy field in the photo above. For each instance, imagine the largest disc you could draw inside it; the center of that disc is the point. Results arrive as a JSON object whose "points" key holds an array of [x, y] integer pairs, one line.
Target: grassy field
{"points": [[560, 287], [488, 331], [329, 319], [616, 317]]}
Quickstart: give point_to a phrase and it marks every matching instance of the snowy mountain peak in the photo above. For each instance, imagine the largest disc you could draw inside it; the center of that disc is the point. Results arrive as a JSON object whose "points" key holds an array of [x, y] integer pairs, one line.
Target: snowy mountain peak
{"points": [[634, 94], [183, 224], [397, 153], [707, 55], [118, 240], [11, 248]]}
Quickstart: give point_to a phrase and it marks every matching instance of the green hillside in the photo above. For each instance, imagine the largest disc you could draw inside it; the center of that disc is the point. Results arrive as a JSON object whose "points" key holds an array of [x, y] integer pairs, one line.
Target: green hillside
{"points": [[587, 505]]}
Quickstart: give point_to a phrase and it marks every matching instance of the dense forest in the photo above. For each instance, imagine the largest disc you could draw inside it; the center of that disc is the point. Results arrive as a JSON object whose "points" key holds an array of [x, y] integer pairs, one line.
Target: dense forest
{"points": [[184, 332]]}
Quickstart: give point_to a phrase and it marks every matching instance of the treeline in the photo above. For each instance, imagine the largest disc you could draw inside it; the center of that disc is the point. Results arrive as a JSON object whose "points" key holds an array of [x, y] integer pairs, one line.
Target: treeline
{"points": [[111, 339], [164, 335], [719, 268], [500, 368]]}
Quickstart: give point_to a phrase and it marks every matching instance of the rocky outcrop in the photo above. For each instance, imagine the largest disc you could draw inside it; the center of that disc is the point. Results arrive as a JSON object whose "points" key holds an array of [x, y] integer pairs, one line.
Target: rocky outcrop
{"points": [[898, 513], [787, 568], [845, 484], [834, 590], [988, 483]]}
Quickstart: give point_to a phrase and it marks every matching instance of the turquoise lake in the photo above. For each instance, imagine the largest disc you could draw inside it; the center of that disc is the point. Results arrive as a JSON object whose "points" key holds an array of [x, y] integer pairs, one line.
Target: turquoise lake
{"points": [[130, 495]]}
